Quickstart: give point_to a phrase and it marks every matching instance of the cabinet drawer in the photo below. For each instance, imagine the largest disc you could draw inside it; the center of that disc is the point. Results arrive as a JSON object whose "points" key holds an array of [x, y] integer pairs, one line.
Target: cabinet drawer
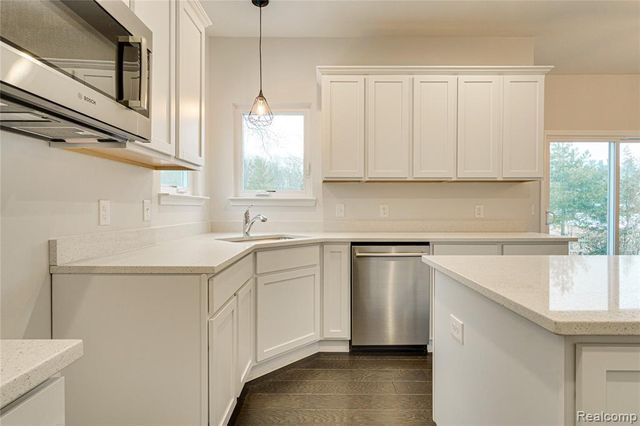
{"points": [[466, 249], [224, 285], [290, 258], [41, 406], [536, 249]]}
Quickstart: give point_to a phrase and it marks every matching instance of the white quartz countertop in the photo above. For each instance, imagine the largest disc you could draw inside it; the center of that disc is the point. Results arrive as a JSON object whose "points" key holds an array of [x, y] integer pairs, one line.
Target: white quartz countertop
{"points": [[207, 254], [24, 364], [567, 295]]}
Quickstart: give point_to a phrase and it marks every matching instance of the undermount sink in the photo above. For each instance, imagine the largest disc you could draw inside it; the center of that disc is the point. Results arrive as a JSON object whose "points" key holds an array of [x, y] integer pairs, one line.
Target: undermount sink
{"points": [[261, 238]]}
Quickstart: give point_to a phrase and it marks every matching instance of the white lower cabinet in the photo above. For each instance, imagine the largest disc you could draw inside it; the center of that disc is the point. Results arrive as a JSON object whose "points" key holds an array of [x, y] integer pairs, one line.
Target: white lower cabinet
{"points": [[467, 249], [288, 314], [607, 379], [42, 406], [336, 292], [246, 333], [222, 361], [536, 249]]}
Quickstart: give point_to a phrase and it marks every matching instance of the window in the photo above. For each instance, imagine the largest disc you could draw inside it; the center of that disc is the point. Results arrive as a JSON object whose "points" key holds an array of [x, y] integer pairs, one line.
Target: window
{"points": [[175, 181], [594, 194], [272, 160]]}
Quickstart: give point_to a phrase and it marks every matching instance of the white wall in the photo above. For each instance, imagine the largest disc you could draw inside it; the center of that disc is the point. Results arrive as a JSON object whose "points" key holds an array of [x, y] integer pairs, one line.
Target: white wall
{"points": [[290, 77], [592, 102], [48, 193]]}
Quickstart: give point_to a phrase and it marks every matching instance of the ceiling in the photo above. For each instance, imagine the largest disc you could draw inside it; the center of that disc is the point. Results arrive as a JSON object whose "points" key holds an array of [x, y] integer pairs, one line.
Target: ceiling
{"points": [[597, 36]]}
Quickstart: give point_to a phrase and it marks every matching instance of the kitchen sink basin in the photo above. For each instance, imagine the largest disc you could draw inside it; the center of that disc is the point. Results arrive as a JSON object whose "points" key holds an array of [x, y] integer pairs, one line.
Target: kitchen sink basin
{"points": [[261, 238]]}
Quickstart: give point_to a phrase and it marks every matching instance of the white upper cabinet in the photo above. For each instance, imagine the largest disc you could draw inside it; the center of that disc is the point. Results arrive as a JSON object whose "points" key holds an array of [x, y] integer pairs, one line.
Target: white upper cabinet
{"points": [[343, 127], [434, 126], [190, 82], [388, 126], [479, 126], [523, 126], [432, 123], [160, 18]]}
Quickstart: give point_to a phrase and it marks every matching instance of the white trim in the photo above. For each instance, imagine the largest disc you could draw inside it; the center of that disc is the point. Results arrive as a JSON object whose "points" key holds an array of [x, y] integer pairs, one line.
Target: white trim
{"points": [[595, 135], [205, 21], [168, 199], [289, 357], [273, 201], [427, 70]]}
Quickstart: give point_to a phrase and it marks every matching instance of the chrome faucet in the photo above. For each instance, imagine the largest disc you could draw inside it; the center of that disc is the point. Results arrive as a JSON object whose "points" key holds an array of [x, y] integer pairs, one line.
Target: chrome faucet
{"points": [[247, 223]]}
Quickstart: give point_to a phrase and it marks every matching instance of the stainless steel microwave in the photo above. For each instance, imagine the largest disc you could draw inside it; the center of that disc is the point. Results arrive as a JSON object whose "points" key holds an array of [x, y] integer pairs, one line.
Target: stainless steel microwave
{"points": [[75, 71]]}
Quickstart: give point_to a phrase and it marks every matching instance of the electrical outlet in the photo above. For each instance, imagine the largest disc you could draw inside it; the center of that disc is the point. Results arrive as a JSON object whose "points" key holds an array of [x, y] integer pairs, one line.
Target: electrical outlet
{"points": [[456, 328], [146, 210], [339, 210], [479, 211], [384, 210], [104, 208]]}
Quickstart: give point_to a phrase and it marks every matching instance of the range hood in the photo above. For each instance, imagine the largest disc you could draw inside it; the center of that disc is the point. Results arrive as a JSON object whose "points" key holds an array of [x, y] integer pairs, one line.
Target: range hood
{"points": [[38, 118], [24, 116]]}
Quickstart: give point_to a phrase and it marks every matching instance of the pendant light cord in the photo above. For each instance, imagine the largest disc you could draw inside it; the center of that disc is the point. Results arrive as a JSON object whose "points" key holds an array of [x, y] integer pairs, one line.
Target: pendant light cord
{"points": [[260, 49]]}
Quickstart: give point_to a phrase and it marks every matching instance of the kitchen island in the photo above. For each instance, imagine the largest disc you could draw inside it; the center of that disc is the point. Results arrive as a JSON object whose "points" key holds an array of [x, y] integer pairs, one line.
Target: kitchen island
{"points": [[533, 340]]}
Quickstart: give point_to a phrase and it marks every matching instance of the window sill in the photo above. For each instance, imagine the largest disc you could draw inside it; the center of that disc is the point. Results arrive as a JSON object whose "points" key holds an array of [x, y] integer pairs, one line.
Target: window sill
{"points": [[168, 199], [273, 201]]}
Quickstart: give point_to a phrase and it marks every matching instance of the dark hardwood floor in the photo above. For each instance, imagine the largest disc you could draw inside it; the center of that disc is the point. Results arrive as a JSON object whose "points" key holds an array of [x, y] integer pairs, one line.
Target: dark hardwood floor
{"points": [[341, 388]]}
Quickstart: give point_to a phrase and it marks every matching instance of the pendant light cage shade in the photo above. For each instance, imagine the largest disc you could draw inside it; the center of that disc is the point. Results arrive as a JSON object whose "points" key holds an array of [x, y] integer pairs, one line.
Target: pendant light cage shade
{"points": [[260, 115]]}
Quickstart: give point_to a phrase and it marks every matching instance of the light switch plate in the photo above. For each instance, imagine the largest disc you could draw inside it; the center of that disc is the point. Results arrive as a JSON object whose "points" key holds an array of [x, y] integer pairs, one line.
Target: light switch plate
{"points": [[339, 210], [456, 328], [104, 212], [479, 211], [384, 210], [146, 210]]}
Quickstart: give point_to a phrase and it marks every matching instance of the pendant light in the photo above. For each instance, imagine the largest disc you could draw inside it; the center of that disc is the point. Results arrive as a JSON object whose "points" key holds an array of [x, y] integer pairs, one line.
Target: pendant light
{"points": [[260, 114]]}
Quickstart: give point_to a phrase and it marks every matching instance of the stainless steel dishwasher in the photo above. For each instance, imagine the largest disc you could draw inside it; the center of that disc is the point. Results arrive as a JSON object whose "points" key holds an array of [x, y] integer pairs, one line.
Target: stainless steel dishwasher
{"points": [[390, 291]]}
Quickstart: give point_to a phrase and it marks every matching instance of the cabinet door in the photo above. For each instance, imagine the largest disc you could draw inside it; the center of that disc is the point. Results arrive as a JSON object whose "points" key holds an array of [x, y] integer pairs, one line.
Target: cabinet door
{"points": [[343, 127], [479, 126], [434, 126], [160, 18], [190, 90], [388, 126], [288, 314], [523, 126], [336, 280], [607, 379], [246, 332], [222, 362]]}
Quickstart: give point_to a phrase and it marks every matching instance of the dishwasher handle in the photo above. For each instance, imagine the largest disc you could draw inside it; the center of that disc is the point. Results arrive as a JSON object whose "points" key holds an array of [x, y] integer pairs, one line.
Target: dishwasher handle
{"points": [[374, 254]]}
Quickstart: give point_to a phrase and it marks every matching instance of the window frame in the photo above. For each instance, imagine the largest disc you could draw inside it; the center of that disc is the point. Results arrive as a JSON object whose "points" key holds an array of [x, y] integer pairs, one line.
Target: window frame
{"points": [[285, 198], [179, 190], [614, 139]]}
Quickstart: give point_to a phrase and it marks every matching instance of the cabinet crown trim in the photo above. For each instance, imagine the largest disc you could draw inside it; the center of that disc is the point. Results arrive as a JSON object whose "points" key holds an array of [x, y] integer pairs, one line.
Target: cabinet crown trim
{"points": [[205, 21], [431, 69]]}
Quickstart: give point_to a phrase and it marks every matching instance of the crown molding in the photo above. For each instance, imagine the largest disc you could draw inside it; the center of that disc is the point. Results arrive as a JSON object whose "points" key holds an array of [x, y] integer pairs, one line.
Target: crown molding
{"points": [[323, 70]]}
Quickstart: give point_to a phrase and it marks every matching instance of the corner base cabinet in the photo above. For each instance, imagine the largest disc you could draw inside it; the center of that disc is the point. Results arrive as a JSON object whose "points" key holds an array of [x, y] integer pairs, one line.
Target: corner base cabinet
{"points": [[288, 299]]}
